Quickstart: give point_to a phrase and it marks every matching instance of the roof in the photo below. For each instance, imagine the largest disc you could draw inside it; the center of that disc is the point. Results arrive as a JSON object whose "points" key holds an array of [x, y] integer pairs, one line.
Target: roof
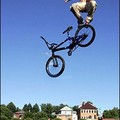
{"points": [[20, 112], [88, 105], [66, 108]]}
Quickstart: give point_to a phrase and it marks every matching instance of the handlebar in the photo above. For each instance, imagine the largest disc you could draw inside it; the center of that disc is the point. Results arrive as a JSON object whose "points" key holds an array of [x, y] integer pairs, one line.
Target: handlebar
{"points": [[50, 46]]}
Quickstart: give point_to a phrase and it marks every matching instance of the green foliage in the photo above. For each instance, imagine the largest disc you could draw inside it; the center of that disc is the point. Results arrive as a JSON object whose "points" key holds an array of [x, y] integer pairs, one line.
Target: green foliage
{"points": [[28, 115], [47, 108], [113, 113], [56, 109], [43, 119], [75, 108], [35, 108], [5, 112], [11, 107], [14, 119], [38, 115], [43, 115], [27, 108], [2, 117], [28, 119]]}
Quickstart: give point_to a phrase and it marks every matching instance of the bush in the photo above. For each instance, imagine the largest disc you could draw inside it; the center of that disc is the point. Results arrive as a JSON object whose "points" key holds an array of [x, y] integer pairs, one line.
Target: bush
{"points": [[14, 119], [3, 117], [43, 119], [28, 119]]}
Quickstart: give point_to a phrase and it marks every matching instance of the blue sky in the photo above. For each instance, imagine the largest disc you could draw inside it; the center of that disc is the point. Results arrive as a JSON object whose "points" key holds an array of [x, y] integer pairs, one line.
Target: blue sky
{"points": [[91, 74]]}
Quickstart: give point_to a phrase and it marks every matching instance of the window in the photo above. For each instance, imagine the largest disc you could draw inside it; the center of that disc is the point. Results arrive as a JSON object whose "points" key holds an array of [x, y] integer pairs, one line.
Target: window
{"points": [[95, 111], [95, 117]]}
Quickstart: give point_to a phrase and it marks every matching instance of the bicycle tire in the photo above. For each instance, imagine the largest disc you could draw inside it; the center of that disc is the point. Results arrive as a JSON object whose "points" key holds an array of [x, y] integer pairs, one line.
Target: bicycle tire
{"points": [[89, 31], [52, 69]]}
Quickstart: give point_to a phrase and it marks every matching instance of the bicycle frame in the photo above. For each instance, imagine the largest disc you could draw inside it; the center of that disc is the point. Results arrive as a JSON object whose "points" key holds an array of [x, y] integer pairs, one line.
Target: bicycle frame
{"points": [[56, 47]]}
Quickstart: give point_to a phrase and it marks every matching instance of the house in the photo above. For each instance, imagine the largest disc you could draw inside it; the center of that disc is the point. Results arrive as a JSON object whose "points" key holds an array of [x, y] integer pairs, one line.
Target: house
{"points": [[88, 111], [66, 113], [19, 114]]}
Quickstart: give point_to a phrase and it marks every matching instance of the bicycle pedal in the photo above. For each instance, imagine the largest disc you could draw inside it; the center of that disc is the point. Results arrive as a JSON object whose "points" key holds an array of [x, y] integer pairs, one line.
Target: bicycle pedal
{"points": [[69, 53]]}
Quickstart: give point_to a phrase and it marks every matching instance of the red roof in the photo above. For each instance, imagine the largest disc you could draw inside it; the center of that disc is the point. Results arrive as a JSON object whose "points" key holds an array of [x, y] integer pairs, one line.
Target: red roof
{"points": [[87, 106]]}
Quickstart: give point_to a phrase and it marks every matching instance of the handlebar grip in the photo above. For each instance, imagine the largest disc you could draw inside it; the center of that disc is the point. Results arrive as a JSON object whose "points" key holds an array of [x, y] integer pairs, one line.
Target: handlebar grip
{"points": [[42, 37]]}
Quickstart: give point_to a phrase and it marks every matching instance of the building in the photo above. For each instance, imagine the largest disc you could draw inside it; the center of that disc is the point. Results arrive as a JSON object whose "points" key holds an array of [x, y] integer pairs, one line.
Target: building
{"points": [[88, 111], [19, 114], [66, 113]]}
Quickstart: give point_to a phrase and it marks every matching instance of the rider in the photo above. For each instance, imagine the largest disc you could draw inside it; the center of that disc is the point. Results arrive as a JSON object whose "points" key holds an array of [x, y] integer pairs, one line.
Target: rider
{"points": [[88, 6]]}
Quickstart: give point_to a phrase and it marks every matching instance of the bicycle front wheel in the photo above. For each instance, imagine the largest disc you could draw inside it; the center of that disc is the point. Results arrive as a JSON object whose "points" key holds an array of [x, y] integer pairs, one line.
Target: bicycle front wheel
{"points": [[55, 66], [85, 35]]}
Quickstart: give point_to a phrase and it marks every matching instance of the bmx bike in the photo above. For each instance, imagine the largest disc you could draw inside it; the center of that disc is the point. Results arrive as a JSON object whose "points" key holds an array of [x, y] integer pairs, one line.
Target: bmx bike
{"points": [[84, 36]]}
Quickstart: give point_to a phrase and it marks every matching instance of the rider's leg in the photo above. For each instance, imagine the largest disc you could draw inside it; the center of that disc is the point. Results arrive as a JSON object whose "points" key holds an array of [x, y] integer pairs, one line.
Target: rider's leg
{"points": [[76, 8], [90, 8], [79, 18]]}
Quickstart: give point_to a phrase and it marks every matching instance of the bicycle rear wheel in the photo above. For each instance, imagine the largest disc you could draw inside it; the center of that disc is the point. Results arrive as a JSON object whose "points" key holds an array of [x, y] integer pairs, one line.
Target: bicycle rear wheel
{"points": [[55, 66], [85, 35]]}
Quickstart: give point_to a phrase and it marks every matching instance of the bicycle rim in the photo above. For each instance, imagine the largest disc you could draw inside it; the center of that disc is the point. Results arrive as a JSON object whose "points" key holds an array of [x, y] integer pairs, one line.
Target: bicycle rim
{"points": [[88, 35], [55, 66]]}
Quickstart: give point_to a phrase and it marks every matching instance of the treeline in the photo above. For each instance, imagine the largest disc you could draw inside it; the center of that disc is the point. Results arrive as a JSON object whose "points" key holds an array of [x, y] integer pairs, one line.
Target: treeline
{"points": [[112, 113], [32, 112], [45, 111]]}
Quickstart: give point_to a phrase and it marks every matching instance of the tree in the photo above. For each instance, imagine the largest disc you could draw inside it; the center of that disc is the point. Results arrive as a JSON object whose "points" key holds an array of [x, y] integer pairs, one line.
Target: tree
{"points": [[62, 105], [43, 119], [2, 117], [28, 119], [30, 107], [43, 115], [5, 113], [35, 108], [27, 108], [75, 108], [38, 115], [14, 119], [112, 113], [28, 115], [11, 107], [56, 109], [48, 108]]}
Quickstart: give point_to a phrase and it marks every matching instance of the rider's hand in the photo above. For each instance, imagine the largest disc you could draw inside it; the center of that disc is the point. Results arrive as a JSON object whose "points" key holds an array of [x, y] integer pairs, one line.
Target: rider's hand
{"points": [[86, 22]]}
